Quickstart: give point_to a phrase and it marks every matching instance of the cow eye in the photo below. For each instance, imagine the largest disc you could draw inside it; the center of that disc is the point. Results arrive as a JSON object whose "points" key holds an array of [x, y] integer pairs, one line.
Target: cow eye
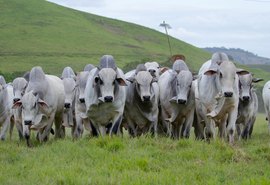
{"points": [[220, 75], [113, 82]]}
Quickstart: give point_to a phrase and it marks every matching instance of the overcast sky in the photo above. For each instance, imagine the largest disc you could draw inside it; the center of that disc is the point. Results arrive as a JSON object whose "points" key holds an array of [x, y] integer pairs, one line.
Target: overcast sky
{"points": [[204, 23]]}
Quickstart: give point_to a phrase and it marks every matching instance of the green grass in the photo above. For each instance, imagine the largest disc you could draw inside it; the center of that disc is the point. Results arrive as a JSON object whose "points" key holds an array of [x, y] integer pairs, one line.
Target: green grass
{"points": [[143, 160]]}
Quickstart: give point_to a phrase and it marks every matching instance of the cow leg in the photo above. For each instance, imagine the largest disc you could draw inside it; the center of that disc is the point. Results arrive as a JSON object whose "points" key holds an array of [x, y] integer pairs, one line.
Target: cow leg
{"points": [[188, 124], [102, 131], [198, 127], [78, 127], [59, 128], [222, 127], [231, 125], [44, 134], [19, 129], [209, 130], [4, 129]]}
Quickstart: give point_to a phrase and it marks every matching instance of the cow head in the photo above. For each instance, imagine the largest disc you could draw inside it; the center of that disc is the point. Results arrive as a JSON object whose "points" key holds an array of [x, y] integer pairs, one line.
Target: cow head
{"points": [[19, 86], [153, 68], [108, 81], [246, 81], [182, 83], [226, 78], [32, 108], [69, 87], [81, 81], [143, 81]]}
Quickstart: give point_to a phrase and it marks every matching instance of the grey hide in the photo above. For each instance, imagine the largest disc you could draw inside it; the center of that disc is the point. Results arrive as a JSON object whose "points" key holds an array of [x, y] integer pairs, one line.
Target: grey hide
{"points": [[88, 67], [107, 61], [2, 80], [217, 100], [141, 109], [19, 87], [68, 77], [177, 101], [42, 105], [179, 65], [248, 105], [105, 97], [6, 101]]}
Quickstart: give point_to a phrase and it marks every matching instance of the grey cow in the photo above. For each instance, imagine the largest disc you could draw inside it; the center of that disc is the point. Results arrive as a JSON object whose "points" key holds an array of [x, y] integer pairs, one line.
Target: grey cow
{"points": [[217, 98], [141, 109], [68, 77], [105, 96], [177, 100], [248, 104], [42, 104]]}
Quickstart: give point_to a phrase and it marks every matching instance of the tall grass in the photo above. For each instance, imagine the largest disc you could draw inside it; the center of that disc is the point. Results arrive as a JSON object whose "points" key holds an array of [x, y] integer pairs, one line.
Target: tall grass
{"points": [[144, 160]]}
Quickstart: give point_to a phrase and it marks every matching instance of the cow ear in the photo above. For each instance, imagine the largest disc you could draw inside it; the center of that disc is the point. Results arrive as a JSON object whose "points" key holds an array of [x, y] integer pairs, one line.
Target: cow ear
{"points": [[131, 79], [121, 82], [17, 105], [256, 80], [42, 103], [210, 72], [163, 69], [242, 72]]}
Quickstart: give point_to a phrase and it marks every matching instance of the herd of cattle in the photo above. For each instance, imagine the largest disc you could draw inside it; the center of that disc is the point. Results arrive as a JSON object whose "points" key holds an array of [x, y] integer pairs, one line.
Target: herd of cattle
{"points": [[149, 99]]}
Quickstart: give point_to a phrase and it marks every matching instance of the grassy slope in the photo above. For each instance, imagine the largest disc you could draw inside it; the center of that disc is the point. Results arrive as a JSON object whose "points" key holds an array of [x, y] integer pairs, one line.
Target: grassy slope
{"points": [[36, 32], [138, 161]]}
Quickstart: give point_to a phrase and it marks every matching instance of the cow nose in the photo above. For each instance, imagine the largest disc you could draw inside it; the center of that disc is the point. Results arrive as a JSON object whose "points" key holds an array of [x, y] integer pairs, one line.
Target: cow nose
{"points": [[246, 98], [181, 101], [108, 98], [67, 105], [152, 71], [27, 122], [82, 100], [228, 94], [146, 98], [15, 100]]}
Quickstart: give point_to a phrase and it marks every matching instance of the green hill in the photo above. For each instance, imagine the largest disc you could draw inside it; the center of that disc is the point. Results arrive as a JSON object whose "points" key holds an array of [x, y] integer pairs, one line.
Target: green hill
{"points": [[37, 32]]}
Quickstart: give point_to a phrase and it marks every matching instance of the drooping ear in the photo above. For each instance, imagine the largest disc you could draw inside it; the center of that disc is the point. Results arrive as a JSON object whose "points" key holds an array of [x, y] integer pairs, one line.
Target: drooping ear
{"points": [[17, 105], [131, 79], [121, 82], [163, 69], [256, 80], [210, 72], [42, 104], [242, 72]]}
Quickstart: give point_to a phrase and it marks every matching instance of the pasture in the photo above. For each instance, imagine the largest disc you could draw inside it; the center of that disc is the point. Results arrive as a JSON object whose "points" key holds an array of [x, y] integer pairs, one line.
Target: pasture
{"points": [[143, 160]]}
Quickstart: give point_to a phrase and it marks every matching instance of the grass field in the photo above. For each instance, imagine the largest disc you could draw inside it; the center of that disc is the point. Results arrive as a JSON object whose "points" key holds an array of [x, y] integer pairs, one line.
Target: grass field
{"points": [[143, 160]]}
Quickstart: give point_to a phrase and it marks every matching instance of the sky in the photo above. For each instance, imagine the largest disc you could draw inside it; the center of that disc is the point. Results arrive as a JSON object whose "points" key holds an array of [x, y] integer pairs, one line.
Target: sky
{"points": [[241, 24]]}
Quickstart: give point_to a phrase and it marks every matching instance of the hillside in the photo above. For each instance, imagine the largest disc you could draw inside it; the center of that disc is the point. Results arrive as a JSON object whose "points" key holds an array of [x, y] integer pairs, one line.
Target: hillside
{"points": [[241, 56], [37, 32]]}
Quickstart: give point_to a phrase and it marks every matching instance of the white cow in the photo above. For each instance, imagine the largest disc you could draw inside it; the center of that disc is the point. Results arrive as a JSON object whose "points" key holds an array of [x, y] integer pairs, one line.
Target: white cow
{"points": [[6, 101], [177, 100], [266, 101], [19, 86], [141, 109], [80, 108], [105, 96], [217, 99], [68, 77], [248, 104], [42, 104]]}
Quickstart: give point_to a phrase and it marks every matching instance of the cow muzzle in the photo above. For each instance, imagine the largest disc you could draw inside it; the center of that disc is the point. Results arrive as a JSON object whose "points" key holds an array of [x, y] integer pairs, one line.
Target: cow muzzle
{"points": [[108, 98], [181, 101], [27, 122], [228, 94]]}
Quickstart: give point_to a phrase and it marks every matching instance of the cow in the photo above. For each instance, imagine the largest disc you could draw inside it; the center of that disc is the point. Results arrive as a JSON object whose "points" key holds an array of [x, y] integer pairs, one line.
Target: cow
{"points": [[266, 101], [42, 104], [177, 100], [248, 104], [80, 107], [141, 109], [105, 96], [153, 68], [6, 102], [19, 87], [217, 99], [68, 77]]}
